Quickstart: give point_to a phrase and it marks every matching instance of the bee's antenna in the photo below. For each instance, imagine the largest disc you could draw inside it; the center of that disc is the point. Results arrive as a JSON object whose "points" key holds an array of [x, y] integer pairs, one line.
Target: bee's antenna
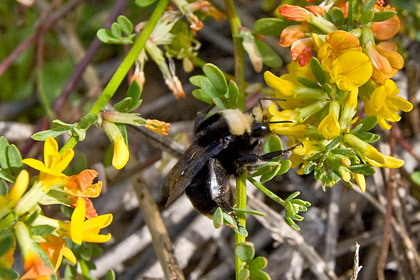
{"points": [[268, 98], [270, 122]]}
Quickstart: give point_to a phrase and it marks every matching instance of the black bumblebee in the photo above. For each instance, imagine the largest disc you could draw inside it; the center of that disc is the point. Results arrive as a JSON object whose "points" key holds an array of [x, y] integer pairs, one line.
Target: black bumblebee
{"points": [[223, 146]]}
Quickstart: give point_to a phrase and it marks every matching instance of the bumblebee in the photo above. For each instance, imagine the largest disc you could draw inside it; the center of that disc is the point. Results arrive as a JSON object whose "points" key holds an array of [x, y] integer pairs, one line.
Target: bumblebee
{"points": [[223, 146]]}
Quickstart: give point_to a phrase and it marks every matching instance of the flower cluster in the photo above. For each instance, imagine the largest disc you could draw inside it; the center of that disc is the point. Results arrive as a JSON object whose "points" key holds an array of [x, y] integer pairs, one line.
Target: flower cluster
{"points": [[338, 59], [43, 240]]}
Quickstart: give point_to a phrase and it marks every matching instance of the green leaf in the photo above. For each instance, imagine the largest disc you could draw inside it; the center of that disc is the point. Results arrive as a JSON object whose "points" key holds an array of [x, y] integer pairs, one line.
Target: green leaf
{"points": [[125, 24], [293, 195], [70, 272], [244, 274], [8, 273], [290, 212], [367, 16], [233, 94], [86, 253], [245, 252], [317, 70], [248, 211], [42, 230], [383, 15], [123, 105], [33, 217], [202, 96], [364, 169], [55, 197], [415, 176], [7, 241], [285, 166], [116, 30], [14, 159], [271, 174], [54, 132], [144, 3], [337, 16], [270, 26], [7, 176], [88, 120], [368, 137], [368, 5], [4, 189], [308, 83], [334, 143], [134, 91], [218, 218], [268, 55], [272, 144], [3, 148], [309, 168], [104, 35], [259, 263], [209, 88], [367, 123], [216, 77], [110, 275], [197, 79]]}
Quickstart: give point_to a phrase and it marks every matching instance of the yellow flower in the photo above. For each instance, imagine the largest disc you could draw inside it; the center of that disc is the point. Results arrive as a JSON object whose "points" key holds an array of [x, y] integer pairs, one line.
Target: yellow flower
{"points": [[56, 248], [371, 155], [295, 70], [360, 181], [351, 70], [385, 104], [16, 192], [121, 153], [81, 230], [51, 170], [338, 42], [283, 89], [329, 126]]}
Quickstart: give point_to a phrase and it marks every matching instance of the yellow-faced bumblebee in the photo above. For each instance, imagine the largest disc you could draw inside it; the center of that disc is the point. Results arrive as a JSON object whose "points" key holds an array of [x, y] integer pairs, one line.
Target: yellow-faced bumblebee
{"points": [[222, 147]]}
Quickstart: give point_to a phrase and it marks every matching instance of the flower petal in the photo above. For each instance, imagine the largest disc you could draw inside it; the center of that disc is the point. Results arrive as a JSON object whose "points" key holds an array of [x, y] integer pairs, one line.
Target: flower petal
{"points": [[76, 224], [121, 153]]}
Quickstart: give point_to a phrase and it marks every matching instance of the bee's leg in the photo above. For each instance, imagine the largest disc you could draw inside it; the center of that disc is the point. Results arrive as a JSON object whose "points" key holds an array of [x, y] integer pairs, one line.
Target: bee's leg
{"points": [[220, 190]]}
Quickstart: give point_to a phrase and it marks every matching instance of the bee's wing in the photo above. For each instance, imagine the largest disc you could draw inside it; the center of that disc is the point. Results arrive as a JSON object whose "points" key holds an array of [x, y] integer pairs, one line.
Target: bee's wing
{"points": [[193, 160]]}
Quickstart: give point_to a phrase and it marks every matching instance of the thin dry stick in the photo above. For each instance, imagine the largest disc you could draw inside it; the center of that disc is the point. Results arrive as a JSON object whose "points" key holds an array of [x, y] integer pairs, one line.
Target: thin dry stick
{"points": [[161, 242], [356, 267], [332, 228], [388, 214], [408, 243]]}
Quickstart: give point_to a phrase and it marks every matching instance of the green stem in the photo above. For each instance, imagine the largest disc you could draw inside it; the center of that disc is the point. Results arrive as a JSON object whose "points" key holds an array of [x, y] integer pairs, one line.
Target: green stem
{"points": [[350, 16], [235, 25], [267, 192], [122, 70], [241, 204]]}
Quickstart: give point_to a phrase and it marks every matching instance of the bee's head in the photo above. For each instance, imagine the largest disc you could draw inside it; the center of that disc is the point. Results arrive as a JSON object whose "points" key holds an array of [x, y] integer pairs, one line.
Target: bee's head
{"points": [[259, 129]]}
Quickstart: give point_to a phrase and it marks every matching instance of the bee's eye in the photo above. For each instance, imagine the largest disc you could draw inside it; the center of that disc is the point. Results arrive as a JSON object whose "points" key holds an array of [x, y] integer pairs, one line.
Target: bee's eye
{"points": [[259, 129]]}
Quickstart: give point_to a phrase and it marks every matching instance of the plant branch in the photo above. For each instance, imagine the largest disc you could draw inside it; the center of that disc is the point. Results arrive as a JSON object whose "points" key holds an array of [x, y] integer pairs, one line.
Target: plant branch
{"points": [[123, 69]]}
